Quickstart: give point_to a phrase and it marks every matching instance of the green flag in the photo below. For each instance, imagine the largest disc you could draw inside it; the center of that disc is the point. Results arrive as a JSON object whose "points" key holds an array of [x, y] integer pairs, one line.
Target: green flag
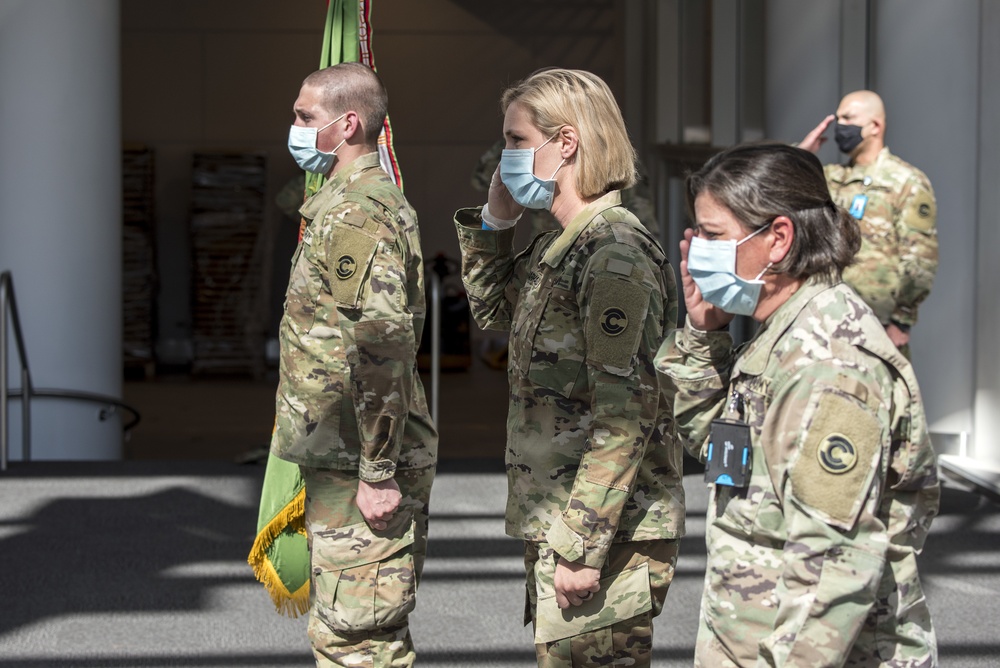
{"points": [[280, 553], [340, 45]]}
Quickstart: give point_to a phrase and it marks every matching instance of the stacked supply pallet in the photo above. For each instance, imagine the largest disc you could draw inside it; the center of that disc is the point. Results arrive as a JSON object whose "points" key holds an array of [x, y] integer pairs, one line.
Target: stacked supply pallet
{"points": [[139, 276], [230, 248]]}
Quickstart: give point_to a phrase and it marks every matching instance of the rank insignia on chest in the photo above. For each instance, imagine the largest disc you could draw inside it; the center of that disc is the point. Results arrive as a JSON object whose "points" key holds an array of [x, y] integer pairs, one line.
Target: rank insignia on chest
{"points": [[346, 266], [858, 205], [729, 449]]}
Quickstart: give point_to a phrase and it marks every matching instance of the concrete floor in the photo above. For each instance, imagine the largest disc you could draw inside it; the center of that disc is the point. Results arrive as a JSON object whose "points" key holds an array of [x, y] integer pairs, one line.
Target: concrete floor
{"points": [[142, 562]]}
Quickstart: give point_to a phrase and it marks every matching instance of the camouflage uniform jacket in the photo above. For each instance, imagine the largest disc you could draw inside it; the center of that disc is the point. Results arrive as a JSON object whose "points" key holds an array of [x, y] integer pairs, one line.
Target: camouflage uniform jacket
{"points": [[895, 267], [590, 458], [349, 396], [814, 563]]}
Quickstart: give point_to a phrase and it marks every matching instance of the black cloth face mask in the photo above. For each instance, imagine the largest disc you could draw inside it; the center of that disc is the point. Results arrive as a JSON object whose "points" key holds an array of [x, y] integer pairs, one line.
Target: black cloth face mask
{"points": [[847, 137]]}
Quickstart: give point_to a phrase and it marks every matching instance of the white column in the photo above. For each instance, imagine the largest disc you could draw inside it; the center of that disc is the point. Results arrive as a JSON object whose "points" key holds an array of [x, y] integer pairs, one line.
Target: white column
{"points": [[987, 407], [60, 213]]}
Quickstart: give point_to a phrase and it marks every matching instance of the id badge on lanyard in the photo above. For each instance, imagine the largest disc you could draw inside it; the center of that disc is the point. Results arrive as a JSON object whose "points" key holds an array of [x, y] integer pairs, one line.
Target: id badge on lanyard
{"points": [[729, 448], [860, 201]]}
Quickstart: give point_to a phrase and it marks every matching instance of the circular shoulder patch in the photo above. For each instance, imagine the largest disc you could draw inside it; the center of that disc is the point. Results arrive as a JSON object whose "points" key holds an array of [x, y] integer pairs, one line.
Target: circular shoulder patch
{"points": [[346, 266], [837, 454], [613, 321]]}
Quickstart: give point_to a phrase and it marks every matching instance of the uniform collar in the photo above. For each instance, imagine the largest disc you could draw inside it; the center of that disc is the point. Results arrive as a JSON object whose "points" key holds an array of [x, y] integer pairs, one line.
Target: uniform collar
{"points": [[754, 359], [334, 186], [854, 172], [558, 249]]}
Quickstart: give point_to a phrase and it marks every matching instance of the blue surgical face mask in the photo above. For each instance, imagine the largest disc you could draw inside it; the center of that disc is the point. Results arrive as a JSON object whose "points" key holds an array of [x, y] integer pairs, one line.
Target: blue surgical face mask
{"points": [[302, 146], [517, 171], [712, 265]]}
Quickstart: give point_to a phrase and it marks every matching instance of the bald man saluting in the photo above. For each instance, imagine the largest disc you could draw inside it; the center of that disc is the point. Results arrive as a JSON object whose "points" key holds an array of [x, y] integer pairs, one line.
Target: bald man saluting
{"points": [[894, 204]]}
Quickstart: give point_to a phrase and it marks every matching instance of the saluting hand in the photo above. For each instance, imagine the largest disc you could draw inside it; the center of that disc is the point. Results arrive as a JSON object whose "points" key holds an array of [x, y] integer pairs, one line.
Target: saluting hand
{"points": [[378, 502], [703, 316], [815, 139], [502, 205]]}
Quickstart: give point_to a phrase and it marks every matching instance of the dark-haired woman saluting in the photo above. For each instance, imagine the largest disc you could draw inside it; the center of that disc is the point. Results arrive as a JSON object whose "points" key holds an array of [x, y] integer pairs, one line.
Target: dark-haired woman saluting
{"points": [[824, 480]]}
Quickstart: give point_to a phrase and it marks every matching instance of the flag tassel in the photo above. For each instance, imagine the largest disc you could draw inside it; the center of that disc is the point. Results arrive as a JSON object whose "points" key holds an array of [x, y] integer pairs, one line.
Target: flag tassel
{"points": [[291, 517]]}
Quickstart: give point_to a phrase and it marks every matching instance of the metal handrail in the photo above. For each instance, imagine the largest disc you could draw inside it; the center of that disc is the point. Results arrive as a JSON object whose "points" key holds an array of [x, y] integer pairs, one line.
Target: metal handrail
{"points": [[435, 345], [27, 390], [76, 395], [8, 304]]}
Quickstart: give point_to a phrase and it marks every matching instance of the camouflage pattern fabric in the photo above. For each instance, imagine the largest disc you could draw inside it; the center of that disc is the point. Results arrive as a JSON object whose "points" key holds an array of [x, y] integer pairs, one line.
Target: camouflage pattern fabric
{"points": [[636, 199], [590, 459], [814, 563], [894, 270], [349, 396], [613, 628], [350, 406], [364, 582]]}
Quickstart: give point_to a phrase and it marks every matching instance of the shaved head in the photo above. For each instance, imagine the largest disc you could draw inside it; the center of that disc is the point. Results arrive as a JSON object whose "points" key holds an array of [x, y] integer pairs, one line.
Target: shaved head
{"points": [[863, 104], [352, 87]]}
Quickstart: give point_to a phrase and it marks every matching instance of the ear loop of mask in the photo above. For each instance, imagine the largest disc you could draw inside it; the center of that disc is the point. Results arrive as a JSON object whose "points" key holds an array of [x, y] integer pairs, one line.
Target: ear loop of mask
{"points": [[334, 151], [561, 163], [748, 238]]}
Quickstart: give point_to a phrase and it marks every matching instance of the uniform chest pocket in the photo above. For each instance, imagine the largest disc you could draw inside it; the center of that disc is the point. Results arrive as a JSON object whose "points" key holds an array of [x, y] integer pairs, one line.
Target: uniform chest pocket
{"points": [[553, 342], [304, 283]]}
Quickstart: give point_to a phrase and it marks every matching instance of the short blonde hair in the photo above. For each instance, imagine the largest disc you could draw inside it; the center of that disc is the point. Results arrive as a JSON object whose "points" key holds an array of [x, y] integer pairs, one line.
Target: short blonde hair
{"points": [[553, 98]]}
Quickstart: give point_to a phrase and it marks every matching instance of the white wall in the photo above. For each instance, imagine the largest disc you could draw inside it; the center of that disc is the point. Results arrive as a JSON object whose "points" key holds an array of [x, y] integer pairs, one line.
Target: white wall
{"points": [[987, 409], [60, 213]]}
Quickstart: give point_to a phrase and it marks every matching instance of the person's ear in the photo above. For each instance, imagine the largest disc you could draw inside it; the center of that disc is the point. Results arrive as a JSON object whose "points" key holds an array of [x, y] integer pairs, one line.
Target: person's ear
{"points": [[569, 142], [783, 234], [877, 127], [353, 126]]}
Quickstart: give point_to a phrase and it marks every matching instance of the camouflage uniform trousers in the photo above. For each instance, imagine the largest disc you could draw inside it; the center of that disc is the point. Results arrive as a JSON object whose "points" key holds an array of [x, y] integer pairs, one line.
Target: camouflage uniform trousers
{"points": [[610, 634], [363, 582]]}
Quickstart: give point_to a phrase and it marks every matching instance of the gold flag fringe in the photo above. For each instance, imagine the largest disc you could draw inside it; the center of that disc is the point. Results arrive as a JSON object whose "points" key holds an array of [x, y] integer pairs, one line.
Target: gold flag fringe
{"points": [[291, 516]]}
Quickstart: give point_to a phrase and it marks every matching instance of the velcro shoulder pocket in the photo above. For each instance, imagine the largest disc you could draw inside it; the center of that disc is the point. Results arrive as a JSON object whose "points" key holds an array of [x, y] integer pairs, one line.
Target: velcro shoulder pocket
{"points": [[615, 320], [842, 442], [921, 212], [351, 253]]}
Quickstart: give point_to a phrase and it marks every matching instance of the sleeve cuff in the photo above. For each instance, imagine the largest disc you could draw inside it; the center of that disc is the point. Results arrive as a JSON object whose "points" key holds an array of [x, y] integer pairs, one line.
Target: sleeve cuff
{"points": [[708, 346], [493, 223], [472, 236], [571, 546], [376, 471]]}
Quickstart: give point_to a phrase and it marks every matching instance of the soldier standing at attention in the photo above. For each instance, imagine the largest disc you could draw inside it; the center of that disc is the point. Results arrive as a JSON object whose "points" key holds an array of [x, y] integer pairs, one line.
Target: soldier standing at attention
{"points": [[594, 475], [350, 406], [825, 482], [894, 204]]}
